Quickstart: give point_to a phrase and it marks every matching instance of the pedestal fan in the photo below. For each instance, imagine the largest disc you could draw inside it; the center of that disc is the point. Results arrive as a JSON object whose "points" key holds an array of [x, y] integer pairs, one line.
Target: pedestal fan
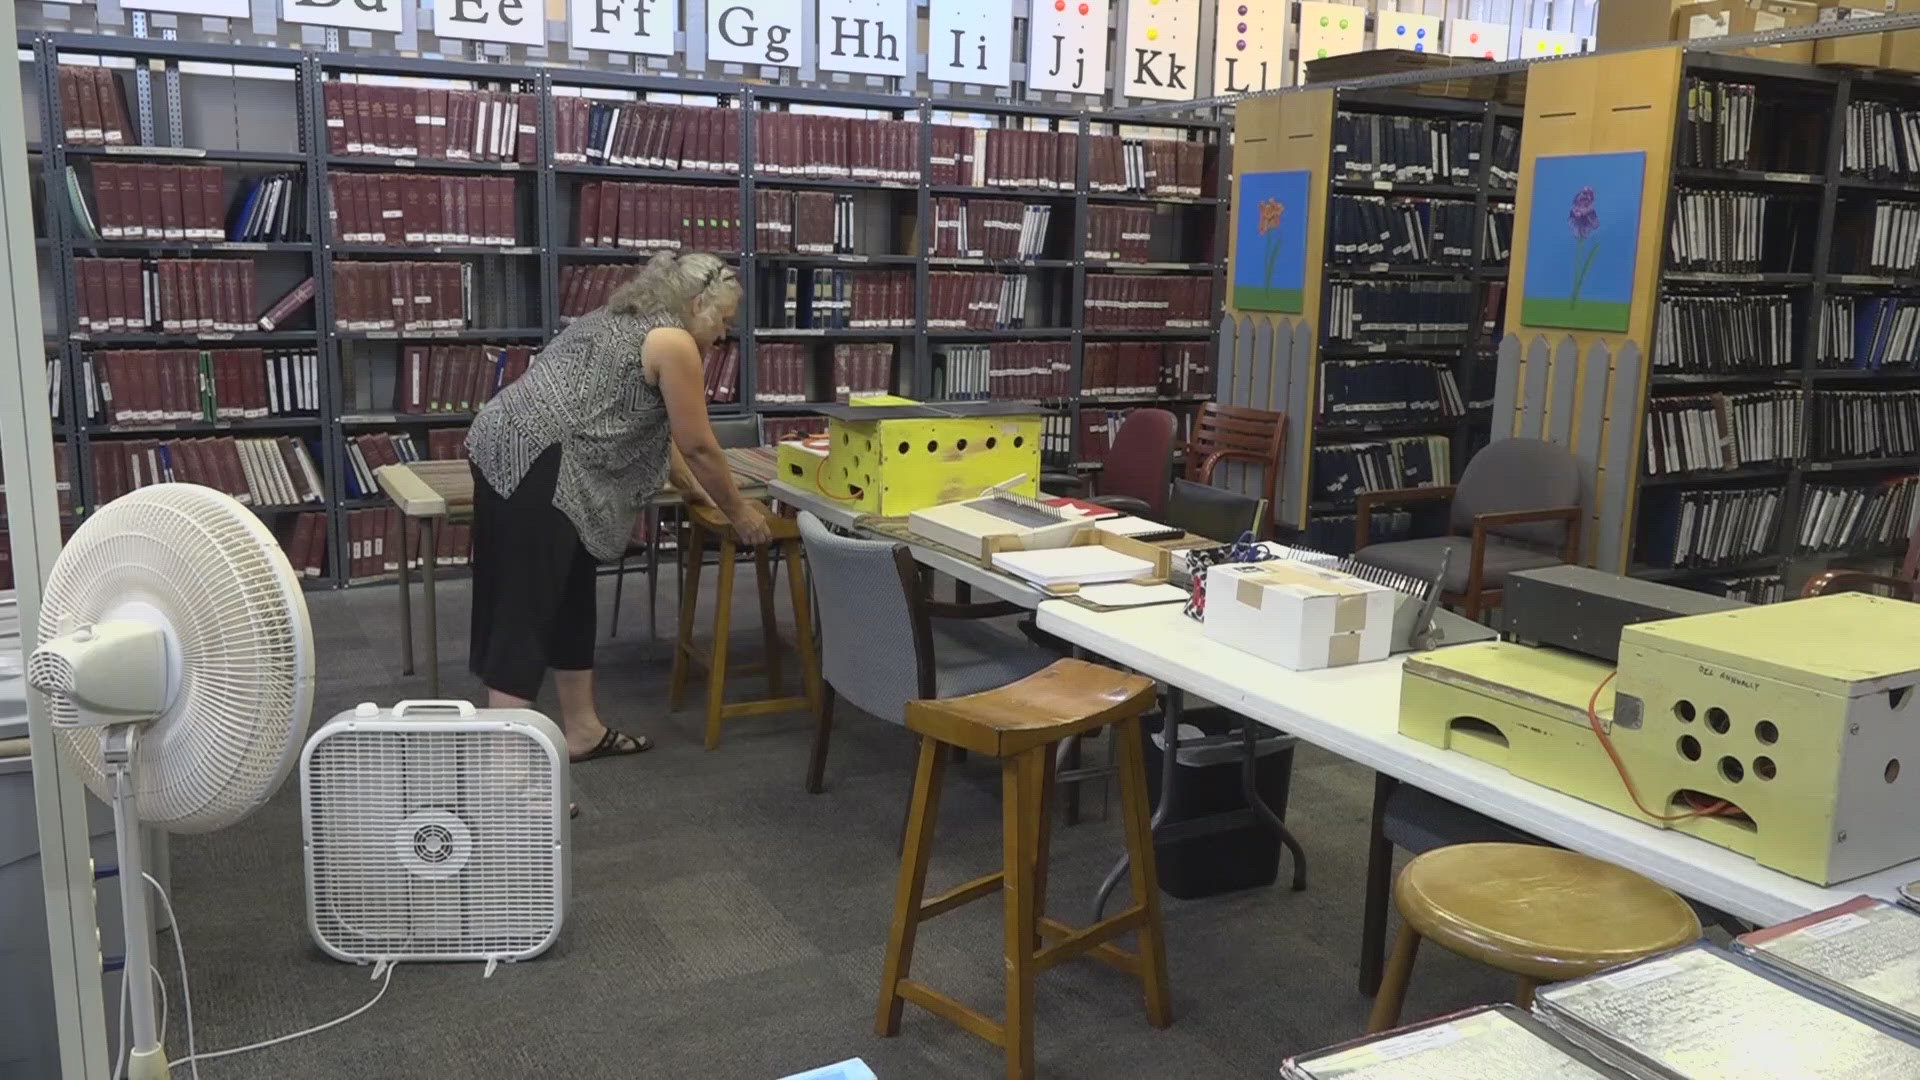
{"points": [[177, 662]]}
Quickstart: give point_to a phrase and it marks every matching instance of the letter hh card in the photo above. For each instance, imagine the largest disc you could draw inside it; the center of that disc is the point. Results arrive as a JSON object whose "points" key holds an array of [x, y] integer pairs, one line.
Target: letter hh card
{"points": [[970, 41], [866, 36], [1159, 40], [1067, 46], [1249, 45]]}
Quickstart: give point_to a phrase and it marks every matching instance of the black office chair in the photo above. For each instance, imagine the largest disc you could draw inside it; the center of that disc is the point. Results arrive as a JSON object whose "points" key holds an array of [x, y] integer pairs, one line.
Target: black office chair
{"points": [[1215, 513], [731, 432]]}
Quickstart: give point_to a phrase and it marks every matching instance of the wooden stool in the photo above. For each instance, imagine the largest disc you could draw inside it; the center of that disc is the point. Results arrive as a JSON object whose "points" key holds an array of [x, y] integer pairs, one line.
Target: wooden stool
{"points": [[1019, 723], [704, 522], [1542, 913]]}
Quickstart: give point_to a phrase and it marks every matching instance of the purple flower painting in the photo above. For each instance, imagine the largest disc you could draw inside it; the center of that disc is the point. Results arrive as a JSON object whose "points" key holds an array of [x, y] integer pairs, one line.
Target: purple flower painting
{"points": [[1585, 221]]}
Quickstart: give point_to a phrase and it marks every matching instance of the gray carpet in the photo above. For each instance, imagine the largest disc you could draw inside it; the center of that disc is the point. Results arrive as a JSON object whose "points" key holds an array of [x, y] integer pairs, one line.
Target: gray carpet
{"points": [[727, 924]]}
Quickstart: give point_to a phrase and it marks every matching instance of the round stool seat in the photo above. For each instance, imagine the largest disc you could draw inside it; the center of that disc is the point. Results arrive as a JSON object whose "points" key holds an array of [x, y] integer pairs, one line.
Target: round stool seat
{"points": [[1540, 912], [710, 518]]}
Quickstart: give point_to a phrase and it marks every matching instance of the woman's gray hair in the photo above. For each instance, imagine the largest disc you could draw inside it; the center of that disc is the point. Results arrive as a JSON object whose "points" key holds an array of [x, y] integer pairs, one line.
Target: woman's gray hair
{"points": [[690, 288]]}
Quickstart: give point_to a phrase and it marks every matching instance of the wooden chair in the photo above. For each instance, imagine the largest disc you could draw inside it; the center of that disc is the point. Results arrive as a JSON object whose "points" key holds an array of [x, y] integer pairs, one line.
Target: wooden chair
{"points": [[1541, 913], [1223, 433], [1518, 502], [1020, 724], [1903, 584], [705, 525]]}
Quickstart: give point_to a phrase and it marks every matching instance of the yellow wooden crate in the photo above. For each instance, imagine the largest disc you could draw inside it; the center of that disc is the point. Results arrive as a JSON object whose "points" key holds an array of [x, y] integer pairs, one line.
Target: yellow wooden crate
{"points": [[1803, 714], [1520, 708], [910, 456]]}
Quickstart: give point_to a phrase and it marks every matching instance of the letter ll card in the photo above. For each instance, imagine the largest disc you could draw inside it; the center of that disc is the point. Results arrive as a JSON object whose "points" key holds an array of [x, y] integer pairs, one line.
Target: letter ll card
{"points": [[864, 36], [1067, 46], [1157, 56], [970, 41], [1249, 45], [1329, 30]]}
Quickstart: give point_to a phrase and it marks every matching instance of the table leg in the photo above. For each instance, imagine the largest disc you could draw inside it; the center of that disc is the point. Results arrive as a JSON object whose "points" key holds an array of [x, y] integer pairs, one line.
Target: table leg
{"points": [[1373, 924], [406, 605], [427, 549], [1176, 703], [653, 575], [1250, 790]]}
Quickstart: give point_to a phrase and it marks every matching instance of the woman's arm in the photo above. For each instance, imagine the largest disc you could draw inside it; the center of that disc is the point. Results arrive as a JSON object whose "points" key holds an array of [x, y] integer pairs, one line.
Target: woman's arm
{"points": [[673, 360], [683, 480]]}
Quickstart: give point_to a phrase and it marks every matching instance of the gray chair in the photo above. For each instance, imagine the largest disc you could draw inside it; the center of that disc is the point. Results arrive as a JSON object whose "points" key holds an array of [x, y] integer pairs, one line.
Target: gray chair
{"points": [[1215, 513], [730, 432], [884, 642], [1517, 507]]}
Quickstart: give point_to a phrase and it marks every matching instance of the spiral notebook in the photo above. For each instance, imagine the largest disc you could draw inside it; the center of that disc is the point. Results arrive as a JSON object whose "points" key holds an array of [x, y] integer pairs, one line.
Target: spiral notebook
{"points": [[1133, 528]]}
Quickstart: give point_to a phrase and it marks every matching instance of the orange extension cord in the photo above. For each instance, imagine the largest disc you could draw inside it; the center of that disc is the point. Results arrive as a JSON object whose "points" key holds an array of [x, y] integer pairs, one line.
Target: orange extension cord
{"points": [[1718, 809]]}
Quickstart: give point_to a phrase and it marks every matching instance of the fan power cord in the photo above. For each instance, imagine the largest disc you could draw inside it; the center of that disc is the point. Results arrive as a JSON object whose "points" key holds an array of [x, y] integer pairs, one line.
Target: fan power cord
{"points": [[382, 970]]}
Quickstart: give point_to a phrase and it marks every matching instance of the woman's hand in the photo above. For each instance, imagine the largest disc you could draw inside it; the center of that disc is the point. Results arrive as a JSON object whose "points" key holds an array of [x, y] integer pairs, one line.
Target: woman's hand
{"points": [[750, 524]]}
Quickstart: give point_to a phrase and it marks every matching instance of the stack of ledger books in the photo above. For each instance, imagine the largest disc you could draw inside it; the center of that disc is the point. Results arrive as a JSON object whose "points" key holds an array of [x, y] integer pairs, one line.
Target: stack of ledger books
{"points": [[1831, 996]]}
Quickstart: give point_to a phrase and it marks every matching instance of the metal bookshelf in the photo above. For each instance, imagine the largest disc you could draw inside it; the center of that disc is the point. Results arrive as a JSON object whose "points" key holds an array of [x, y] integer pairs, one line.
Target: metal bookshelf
{"points": [[536, 263], [1468, 431]]}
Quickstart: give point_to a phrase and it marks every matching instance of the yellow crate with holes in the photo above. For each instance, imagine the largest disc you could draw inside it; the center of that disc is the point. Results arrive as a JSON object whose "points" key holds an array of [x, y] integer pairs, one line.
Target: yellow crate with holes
{"points": [[891, 456], [1799, 721], [1802, 714]]}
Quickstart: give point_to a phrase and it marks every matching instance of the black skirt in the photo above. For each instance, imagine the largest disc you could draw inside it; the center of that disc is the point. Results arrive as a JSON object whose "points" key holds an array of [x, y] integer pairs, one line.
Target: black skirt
{"points": [[533, 584]]}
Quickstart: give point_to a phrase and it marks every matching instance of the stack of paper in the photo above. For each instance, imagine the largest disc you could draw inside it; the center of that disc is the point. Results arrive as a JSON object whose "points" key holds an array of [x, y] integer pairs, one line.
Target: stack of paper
{"points": [[1083, 565], [1138, 529], [1703, 1014], [1865, 952], [1498, 1043]]}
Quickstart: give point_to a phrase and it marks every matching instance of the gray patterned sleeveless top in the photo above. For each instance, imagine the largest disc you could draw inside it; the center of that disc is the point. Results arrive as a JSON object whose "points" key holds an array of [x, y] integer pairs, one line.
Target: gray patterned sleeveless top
{"points": [[585, 391]]}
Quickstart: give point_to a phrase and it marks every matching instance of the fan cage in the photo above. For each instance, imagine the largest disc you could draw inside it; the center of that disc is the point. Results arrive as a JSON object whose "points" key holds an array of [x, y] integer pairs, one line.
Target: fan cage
{"points": [[375, 797], [238, 620]]}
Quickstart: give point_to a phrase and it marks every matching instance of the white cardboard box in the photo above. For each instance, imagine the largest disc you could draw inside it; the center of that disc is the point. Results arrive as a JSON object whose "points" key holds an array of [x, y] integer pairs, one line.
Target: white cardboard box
{"points": [[1297, 615]]}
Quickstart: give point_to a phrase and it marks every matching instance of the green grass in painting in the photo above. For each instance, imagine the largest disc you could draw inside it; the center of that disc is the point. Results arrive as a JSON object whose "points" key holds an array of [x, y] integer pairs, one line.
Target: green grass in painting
{"points": [[1257, 298], [1585, 315]]}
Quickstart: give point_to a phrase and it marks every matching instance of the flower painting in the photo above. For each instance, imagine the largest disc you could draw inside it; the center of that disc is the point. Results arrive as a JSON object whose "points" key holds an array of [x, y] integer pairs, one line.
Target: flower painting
{"points": [[1270, 252], [1583, 241]]}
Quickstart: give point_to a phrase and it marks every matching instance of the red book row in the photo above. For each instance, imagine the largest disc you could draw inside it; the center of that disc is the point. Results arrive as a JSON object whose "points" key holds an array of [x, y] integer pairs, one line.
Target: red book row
{"points": [[804, 221], [1119, 233], [721, 368], [785, 372], [305, 544], [373, 543], [160, 202], [645, 135], [1150, 166], [968, 300], [983, 228], [876, 299], [93, 107], [1134, 302], [456, 378], [178, 296], [372, 296], [259, 472], [1145, 367], [446, 444], [446, 125], [136, 386], [648, 217], [422, 208], [774, 431], [584, 288], [815, 146], [1027, 370]]}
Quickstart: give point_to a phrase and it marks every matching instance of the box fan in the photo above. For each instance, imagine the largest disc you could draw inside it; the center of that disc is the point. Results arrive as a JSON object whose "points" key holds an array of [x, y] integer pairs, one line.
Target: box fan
{"points": [[435, 831]]}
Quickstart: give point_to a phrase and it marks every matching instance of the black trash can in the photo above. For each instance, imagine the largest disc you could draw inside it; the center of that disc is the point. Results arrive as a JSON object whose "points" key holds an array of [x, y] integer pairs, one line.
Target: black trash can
{"points": [[1244, 856]]}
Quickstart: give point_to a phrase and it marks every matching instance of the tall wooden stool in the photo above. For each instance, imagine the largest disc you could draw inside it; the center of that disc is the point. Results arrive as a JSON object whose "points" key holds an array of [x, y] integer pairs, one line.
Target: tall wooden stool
{"points": [[1020, 723], [1542, 913], [708, 523]]}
